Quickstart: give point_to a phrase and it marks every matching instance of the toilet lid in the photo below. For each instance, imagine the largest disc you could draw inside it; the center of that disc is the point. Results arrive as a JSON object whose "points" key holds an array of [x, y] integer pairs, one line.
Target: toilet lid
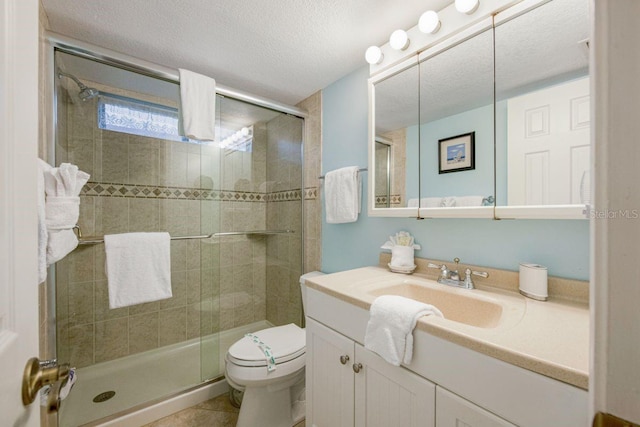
{"points": [[286, 343]]}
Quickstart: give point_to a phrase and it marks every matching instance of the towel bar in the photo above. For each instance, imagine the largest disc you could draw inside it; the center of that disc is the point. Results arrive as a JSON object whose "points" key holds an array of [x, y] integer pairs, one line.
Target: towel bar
{"points": [[97, 240], [359, 170]]}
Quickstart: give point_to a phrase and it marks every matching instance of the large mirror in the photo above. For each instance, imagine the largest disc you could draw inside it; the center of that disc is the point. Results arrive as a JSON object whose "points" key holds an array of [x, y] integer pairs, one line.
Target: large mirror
{"points": [[499, 120], [542, 110], [456, 129], [393, 165]]}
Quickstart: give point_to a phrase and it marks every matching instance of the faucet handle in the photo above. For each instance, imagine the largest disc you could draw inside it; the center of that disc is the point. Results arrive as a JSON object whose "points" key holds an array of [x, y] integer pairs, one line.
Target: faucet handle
{"points": [[479, 273], [444, 271]]}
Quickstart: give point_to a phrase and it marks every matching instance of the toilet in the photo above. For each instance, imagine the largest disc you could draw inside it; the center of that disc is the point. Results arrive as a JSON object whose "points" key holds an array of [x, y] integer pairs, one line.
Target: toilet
{"points": [[274, 393]]}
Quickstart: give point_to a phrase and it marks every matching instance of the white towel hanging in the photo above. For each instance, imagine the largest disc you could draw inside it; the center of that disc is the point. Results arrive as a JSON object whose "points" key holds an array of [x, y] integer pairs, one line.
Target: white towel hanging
{"points": [[342, 192], [390, 328], [138, 268], [197, 106]]}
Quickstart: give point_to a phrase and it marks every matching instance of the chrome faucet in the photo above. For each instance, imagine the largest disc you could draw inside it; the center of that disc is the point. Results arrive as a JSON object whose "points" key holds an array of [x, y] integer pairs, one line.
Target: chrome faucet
{"points": [[452, 277]]}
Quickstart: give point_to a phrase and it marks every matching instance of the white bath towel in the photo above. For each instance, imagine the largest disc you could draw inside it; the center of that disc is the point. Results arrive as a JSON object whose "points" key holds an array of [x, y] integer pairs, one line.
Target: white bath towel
{"points": [[197, 106], [62, 212], [138, 268], [390, 328], [62, 209], [43, 236], [342, 193], [469, 201], [60, 243]]}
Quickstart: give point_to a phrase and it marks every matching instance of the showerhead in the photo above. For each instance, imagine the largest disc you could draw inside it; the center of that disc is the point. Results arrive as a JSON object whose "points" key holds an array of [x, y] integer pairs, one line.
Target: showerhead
{"points": [[85, 93]]}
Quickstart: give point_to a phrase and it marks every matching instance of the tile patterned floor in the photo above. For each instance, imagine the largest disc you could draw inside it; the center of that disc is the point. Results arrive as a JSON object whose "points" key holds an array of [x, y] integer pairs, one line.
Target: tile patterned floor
{"points": [[217, 412]]}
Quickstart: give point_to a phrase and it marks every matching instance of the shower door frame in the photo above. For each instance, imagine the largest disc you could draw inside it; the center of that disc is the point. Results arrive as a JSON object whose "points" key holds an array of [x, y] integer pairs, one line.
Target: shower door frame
{"points": [[58, 42]]}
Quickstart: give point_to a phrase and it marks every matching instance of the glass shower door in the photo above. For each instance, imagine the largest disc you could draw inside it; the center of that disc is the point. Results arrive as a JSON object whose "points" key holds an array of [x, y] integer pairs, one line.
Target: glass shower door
{"points": [[144, 178], [259, 249]]}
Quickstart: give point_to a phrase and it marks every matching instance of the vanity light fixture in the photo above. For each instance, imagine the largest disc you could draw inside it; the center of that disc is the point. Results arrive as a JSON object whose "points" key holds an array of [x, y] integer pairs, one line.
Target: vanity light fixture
{"points": [[467, 6], [374, 55], [399, 40], [238, 140], [429, 22]]}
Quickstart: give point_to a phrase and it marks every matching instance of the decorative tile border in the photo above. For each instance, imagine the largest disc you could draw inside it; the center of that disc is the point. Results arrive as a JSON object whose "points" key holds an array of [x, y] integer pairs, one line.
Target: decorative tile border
{"points": [[381, 201], [311, 193], [107, 189]]}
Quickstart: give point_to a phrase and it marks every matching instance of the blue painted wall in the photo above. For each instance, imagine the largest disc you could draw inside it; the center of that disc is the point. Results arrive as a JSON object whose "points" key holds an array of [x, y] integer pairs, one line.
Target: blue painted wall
{"points": [[476, 182], [561, 245]]}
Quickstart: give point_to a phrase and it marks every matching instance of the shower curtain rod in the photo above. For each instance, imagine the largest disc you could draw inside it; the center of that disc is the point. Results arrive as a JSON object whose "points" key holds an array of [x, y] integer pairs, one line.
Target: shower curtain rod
{"points": [[131, 63]]}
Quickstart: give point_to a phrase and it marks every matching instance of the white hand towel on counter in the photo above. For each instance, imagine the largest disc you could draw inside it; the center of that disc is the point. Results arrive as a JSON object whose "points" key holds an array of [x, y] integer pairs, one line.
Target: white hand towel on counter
{"points": [[390, 328], [138, 268], [197, 106], [342, 193], [402, 256]]}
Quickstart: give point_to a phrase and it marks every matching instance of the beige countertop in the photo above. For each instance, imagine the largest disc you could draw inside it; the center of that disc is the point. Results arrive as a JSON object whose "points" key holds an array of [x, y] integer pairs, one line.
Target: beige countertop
{"points": [[550, 338]]}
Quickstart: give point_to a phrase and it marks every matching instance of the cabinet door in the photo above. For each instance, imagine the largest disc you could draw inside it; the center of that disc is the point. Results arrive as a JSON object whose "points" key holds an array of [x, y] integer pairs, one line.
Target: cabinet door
{"points": [[454, 411], [329, 381], [390, 396]]}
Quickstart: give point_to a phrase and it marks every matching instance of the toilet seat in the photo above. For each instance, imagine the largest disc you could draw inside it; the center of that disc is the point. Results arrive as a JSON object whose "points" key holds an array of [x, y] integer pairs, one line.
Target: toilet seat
{"points": [[286, 343]]}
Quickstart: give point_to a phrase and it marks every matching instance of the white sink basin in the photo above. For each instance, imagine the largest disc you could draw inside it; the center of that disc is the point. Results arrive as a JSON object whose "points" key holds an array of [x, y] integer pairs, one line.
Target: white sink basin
{"points": [[454, 306]]}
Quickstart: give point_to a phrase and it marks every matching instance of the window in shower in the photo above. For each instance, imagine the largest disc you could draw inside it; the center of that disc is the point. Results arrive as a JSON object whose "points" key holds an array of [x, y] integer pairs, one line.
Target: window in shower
{"points": [[128, 115]]}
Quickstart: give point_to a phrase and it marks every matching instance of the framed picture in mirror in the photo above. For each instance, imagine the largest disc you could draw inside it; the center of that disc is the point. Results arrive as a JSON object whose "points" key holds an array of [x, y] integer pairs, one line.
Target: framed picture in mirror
{"points": [[457, 153]]}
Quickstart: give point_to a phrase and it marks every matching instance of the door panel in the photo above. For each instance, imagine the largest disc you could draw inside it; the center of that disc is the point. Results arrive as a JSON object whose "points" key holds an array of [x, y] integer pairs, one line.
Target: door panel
{"points": [[390, 396], [329, 382]]}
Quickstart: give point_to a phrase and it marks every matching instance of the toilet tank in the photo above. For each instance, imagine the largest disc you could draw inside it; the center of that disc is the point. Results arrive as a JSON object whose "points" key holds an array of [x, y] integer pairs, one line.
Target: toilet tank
{"points": [[303, 288]]}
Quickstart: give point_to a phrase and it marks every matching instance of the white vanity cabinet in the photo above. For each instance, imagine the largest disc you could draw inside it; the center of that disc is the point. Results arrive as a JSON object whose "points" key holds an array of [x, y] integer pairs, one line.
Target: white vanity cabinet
{"points": [[348, 385], [454, 411], [446, 384]]}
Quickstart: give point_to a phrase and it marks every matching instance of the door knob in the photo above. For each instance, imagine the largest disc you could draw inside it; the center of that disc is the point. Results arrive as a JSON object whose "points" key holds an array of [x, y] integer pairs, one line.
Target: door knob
{"points": [[357, 367], [38, 374], [344, 359]]}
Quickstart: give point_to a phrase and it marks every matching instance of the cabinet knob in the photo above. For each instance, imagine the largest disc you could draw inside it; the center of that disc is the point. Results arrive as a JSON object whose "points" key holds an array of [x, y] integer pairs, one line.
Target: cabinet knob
{"points": [[357, 367], [344, 359]]}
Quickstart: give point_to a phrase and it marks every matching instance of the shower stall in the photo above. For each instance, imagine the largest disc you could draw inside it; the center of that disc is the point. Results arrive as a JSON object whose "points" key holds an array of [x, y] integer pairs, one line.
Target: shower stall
{"points": [[233, 207]]}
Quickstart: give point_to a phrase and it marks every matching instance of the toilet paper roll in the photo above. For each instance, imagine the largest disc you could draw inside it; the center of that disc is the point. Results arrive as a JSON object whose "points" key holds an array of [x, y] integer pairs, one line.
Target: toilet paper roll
{"points": [[533, 281]]}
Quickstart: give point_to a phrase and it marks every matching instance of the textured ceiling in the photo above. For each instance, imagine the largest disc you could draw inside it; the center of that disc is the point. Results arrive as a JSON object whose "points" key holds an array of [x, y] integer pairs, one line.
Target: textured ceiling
{"points": [[284, 50]]}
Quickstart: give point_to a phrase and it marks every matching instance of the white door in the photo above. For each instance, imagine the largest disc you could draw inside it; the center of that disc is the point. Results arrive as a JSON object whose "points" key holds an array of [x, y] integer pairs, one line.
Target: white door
{"points": [[390, 396], [18, 220], [548, 145], [329, 377]]}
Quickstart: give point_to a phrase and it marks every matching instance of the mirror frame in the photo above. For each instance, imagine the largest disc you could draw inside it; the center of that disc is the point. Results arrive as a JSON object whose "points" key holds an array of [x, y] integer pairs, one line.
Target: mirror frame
{"points": [[404, 212], [488, 212]]}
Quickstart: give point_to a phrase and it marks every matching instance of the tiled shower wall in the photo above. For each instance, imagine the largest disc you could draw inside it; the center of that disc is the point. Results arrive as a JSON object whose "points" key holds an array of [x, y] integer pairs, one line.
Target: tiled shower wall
{"points": [[147, 184]]}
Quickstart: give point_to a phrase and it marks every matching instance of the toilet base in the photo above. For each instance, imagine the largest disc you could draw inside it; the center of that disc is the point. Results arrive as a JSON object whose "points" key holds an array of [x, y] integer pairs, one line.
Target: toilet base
{"points": [[274, 408]]}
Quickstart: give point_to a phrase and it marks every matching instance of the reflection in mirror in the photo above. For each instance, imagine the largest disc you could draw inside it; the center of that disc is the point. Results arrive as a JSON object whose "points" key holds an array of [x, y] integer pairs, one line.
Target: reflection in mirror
{"points": [[456, 125], [396, 118], [542, 108], [382, 172]]}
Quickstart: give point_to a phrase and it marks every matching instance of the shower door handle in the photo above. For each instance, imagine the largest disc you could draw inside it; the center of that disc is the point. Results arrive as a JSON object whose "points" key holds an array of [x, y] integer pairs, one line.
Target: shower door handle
{"points": [[38, 374]]}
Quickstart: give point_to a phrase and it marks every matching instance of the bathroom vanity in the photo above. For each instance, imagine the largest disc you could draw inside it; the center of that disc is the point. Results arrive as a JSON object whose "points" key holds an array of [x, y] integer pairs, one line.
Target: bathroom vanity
{"points": [[496, 359]]}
